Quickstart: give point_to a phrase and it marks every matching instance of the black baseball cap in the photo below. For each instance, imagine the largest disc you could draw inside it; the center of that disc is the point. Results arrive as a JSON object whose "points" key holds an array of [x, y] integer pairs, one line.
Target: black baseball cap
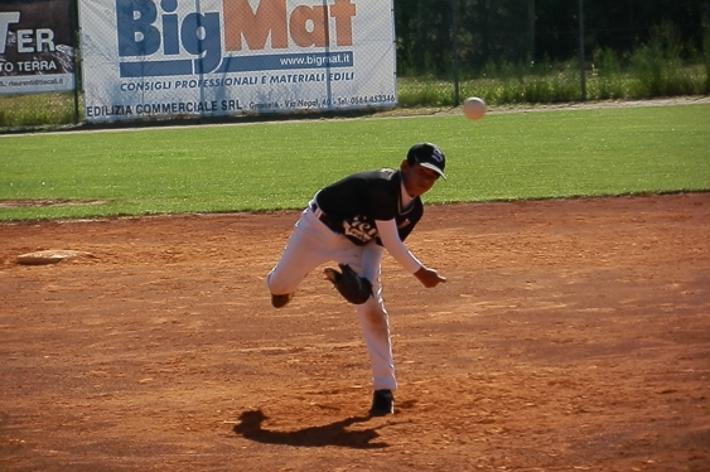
{"points": [[427, 155]]}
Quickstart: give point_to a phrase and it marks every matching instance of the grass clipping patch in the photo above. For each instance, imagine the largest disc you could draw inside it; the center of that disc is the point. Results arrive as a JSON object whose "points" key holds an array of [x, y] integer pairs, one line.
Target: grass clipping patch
{"points": [[37, 203]]}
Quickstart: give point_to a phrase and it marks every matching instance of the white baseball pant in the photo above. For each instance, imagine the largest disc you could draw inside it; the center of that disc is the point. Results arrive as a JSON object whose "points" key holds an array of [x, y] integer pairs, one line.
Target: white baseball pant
{"points": [[311, 244]]}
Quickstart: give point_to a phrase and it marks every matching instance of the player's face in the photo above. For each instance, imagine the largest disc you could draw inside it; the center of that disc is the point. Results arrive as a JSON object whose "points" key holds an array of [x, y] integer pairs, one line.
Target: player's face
{"points": [[417, 179]]}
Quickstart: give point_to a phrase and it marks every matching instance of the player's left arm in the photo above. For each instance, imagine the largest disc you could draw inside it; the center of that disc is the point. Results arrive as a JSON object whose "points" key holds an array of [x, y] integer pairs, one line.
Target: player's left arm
{"points": [[387, 230]]}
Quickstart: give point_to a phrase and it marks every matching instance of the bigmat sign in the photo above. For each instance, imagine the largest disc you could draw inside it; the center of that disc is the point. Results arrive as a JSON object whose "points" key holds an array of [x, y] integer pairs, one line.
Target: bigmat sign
{"points": [[149, 58], [36, 46]]}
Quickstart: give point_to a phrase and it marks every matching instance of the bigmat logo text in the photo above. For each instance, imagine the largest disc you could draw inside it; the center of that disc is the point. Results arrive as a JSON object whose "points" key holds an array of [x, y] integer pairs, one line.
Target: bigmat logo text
{"points": [[153, 31]]}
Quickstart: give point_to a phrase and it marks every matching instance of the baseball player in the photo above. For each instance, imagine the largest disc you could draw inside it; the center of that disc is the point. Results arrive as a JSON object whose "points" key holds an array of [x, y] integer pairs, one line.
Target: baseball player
{"points": [[351, 222]]}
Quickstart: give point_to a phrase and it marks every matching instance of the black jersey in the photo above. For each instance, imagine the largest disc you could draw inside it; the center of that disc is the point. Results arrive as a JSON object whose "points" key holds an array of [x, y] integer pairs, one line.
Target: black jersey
{"points": [[352, 205]]}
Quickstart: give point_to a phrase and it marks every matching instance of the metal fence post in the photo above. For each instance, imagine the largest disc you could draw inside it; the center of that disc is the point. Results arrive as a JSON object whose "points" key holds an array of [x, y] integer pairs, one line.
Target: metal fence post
{"points": [[453, 34], [74, 13], [328, 84], [582, 66], [531, 32]]}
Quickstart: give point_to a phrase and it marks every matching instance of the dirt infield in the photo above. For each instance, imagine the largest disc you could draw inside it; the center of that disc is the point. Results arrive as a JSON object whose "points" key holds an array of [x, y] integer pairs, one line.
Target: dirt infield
{"points": [[572, 335]]}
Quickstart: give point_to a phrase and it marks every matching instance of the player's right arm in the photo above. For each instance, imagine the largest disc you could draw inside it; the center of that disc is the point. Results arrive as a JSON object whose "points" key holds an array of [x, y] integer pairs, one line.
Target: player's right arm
{"points": [[387, 230]]}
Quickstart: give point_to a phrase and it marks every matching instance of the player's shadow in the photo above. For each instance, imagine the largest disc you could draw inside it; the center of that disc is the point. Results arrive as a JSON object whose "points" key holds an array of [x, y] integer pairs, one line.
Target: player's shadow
{"points": [[332, 434]]}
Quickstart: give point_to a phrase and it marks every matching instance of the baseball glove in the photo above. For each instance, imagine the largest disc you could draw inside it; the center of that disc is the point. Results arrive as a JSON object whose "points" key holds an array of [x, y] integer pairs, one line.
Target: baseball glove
{"points": [[352, 287]]}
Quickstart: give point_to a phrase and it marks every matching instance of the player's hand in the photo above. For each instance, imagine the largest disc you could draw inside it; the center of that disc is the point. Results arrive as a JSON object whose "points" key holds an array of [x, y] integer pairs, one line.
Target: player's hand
{"points": [[429, 277]]}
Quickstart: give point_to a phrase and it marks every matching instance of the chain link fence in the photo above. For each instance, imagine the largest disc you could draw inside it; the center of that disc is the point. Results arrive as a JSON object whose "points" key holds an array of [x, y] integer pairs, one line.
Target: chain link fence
{"points": [[550, 51], [188, 59]]}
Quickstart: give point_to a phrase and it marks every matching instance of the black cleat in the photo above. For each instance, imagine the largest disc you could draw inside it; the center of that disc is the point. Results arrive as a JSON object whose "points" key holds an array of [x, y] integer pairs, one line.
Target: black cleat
{"points": [[279, 301], [382, 403]]}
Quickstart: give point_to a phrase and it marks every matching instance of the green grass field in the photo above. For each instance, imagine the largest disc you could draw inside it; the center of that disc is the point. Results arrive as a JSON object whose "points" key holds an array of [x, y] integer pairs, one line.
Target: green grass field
{"points": [[279, 165]]}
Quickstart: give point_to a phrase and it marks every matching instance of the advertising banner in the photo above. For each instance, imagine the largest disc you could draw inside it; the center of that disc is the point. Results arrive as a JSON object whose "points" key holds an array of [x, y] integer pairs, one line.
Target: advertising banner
{"points": [[153, 58], [36, 46]]}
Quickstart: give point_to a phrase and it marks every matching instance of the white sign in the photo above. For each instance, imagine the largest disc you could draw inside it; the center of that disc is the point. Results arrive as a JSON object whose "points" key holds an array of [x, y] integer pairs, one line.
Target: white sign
{"points": [[150, 58]]}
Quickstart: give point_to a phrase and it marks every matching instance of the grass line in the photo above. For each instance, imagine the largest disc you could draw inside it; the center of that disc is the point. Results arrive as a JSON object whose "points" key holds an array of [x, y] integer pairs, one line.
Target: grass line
{"points": [[279, 166]]}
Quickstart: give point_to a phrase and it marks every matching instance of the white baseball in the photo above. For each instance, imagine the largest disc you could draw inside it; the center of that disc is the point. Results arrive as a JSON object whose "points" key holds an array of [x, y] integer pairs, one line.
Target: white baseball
{"points": [[474, 108]]}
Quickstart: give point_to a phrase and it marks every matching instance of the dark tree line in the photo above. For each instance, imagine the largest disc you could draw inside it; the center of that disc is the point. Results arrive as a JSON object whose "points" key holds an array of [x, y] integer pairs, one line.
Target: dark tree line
{"points": [[480, 32]]}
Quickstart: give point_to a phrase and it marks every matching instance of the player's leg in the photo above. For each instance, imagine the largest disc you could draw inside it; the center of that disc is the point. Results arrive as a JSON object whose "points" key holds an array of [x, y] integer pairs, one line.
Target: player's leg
{"points": [[307, 247], [374, 322]]}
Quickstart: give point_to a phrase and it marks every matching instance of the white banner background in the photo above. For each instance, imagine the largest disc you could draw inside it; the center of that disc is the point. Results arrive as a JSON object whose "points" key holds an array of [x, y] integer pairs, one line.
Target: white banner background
{"points": [[163, 81]]}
